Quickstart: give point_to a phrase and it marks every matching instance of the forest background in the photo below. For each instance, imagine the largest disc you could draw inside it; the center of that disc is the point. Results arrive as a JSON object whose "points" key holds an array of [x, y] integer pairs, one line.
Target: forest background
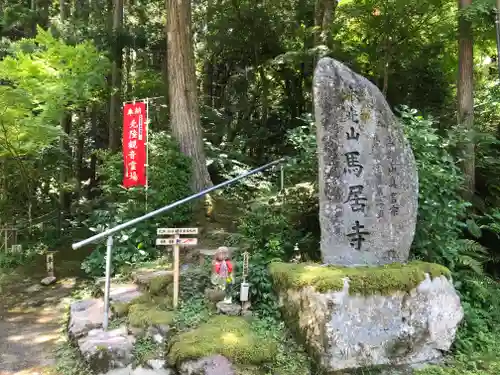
{"points": [[246, 70]]}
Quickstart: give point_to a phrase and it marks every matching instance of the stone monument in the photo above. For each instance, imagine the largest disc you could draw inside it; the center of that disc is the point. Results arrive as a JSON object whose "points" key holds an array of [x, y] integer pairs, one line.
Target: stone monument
{"points": [[368, 184], [367, 314]]}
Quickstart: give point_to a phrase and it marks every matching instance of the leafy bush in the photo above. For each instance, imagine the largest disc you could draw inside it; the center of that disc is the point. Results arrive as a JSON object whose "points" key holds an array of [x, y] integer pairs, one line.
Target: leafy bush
{"points": [[169, 176]]}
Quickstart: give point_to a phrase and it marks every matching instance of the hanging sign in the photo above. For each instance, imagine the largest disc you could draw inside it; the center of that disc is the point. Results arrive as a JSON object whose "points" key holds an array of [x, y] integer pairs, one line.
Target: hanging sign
{"points": [[134, 144]]}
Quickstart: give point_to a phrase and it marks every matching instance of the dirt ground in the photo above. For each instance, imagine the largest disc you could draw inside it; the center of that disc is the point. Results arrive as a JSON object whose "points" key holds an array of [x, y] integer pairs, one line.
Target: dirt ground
{"points": [[31, 317]]}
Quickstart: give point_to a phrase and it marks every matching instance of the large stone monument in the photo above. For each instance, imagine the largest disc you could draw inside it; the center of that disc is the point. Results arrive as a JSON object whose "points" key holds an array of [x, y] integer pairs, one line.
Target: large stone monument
{"points": [[367, 308], [368, 184]]}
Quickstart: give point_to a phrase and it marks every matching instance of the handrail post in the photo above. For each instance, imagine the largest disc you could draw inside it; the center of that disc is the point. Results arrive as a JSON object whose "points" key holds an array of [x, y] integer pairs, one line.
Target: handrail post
{"points": [[107, 287]]}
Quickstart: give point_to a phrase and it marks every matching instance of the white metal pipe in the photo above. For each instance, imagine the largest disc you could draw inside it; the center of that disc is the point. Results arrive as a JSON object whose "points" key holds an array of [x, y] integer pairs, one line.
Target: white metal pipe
{"points": [[109, 248]]}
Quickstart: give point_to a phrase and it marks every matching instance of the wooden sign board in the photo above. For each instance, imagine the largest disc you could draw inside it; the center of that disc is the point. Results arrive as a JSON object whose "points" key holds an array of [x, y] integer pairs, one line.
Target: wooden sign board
{"points": [[171, 231], [176, 241]]}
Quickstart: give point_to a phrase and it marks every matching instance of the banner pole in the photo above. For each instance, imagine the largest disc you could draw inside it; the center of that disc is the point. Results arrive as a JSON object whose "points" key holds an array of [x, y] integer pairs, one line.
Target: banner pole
{"points": [[147, 152]]}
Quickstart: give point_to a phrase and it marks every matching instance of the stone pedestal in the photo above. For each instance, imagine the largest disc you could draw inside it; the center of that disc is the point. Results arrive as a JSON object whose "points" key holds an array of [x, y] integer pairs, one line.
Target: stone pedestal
{"points": [[347, 324]]}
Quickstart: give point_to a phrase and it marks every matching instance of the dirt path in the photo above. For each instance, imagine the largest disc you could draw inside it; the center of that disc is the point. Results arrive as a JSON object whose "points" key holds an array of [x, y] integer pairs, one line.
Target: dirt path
{"points": [[31, 318]]}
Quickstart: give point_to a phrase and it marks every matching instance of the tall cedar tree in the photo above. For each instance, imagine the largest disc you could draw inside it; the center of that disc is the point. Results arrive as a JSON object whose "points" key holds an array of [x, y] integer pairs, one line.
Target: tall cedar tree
{"points": [[183, 98], [465, 94]]}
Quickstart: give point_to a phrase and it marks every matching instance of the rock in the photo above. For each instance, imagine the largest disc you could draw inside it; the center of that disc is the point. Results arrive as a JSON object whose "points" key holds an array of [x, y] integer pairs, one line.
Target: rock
{"points": [[368, 183], [145, 371], [105, 350], [353, 332], [124, 293], [159, 333], [214, 365], [232, 309], [34, 288], [84, 316], [156, 364], [144, 277], [139, 371], [214, 295], [48, 280]]}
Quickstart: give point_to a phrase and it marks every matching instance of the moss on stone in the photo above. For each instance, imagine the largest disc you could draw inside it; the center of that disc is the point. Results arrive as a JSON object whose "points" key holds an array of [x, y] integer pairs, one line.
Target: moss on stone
{"points": [[164, 303], [229, 336], [161, 285], [120, 308], [146, 315], [362, 280]]}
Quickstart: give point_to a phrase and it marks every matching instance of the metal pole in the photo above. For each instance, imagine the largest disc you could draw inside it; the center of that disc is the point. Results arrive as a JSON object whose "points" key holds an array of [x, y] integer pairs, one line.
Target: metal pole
{"points": [[282, 177], [147, 152], [109, 248], [176, 271], [497, 26], [151, 214]]}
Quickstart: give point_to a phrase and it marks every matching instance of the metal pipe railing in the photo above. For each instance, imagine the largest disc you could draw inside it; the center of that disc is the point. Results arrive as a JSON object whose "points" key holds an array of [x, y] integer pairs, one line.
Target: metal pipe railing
{"points": [[151, 214], [109, 233]]}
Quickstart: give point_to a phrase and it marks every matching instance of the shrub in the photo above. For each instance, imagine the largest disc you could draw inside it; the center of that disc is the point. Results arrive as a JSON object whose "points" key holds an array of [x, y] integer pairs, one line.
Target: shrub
{"points": [[169, 176]]}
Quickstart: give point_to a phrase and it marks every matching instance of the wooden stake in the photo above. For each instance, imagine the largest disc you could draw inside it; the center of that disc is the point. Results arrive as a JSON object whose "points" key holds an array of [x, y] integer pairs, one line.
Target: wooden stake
{"points": [[176, 272]]}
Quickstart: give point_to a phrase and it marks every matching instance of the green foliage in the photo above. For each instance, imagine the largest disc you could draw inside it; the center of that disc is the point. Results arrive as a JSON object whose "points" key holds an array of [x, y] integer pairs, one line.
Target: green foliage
{"points": [[69, 361], [169, 176], [191, 313], [290, 357], [145, 348], [44, 77], [441, 207]]}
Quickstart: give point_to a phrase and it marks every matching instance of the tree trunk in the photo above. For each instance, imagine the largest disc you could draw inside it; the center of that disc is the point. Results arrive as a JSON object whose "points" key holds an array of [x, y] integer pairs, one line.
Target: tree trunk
{"points": [[466, 98], [184, 107], [65, 124], [323, 17], [116, 78]]}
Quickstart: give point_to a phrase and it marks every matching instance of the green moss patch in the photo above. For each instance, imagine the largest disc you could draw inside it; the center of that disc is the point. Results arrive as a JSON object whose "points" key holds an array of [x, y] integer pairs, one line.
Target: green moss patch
{"points": [[120, 309], [146, 315], [229, 336], [161, 285], [362, 280]]}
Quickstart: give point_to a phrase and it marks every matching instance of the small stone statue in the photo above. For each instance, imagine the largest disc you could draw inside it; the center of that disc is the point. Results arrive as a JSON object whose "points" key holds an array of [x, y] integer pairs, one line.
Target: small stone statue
{"points": [[222, 275]]}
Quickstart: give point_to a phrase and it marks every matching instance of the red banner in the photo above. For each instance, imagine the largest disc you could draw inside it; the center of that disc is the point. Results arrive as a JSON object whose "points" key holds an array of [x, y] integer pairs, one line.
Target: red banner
{"points": [[134, 144]]}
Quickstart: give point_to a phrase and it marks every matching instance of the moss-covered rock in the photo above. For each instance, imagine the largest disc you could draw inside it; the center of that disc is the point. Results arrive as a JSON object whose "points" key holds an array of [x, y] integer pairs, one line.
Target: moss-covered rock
{"points": [[162, 302], [120, 309], [231, 337], [362, 280], [147, 315], [161, 285]]}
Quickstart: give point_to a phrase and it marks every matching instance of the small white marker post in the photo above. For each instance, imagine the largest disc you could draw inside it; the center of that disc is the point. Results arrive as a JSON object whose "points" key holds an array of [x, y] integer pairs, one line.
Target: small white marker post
{"points": [[50, 264], [176, 242]]}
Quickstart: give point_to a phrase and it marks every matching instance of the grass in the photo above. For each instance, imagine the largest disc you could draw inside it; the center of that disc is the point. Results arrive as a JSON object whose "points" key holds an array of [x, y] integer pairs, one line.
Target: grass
{"points": [[362, 280]]}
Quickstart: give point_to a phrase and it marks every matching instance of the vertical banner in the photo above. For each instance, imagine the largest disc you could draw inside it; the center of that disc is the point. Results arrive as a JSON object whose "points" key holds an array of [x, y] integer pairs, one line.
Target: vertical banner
{"points": [[134, 144]]}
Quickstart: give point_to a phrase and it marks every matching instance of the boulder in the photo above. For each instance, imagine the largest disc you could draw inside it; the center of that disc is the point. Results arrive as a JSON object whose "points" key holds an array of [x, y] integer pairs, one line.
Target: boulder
{"points": [[124, 293], [106, 350], [139, 371], [85, 315], [369, 317], [228, 308], [214, 365], [48, 280], [368, 182], [145, 276]]}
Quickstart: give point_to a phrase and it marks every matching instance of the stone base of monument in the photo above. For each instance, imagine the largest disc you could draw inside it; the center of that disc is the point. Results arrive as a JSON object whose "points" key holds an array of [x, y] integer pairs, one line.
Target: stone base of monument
{"points": [[394, 316]]}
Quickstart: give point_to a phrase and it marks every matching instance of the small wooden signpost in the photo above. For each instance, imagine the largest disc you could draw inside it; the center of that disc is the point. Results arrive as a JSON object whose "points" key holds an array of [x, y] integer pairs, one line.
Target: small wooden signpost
{"points": [[176, 242]]}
